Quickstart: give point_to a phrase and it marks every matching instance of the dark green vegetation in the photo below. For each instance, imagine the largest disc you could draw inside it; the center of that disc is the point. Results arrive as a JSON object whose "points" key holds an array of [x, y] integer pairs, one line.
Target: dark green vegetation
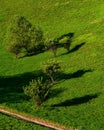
{"points": [[24, 38], [63, 41], [78, 98], [38, 90], [9, 123], [51, 68]]}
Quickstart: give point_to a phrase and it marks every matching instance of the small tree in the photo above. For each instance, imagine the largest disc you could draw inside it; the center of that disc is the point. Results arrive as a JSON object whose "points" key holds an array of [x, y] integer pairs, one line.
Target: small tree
{"points": [[22, 34], [38, 90], [50, 68], [52, 46], [66, 42]]}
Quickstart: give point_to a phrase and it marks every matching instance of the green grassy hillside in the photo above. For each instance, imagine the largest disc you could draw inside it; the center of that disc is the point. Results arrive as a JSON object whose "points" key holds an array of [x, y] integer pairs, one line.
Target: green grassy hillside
{"points": [[78, 98], [9, 123]]}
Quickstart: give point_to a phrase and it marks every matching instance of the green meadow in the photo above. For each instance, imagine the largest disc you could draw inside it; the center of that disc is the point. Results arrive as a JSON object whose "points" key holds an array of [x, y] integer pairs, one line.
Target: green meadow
{"points": [[77, 99], [9, 123]]}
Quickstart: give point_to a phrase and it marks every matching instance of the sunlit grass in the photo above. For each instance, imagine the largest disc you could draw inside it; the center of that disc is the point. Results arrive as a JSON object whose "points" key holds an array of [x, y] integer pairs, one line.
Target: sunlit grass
{"points": [[84, 64], [9, 123]]}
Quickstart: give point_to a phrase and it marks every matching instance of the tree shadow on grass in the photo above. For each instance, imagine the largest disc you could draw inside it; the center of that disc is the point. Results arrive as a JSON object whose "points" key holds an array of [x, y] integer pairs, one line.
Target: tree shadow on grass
{"points": [[77, 101], [55, 92], [76, 48], [11, 88], [70, 35], [77, 74]]}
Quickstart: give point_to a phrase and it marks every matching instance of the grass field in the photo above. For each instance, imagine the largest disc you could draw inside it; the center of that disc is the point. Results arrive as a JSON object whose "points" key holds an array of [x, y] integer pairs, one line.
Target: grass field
{"points": [[9, 123], [77, 100]]}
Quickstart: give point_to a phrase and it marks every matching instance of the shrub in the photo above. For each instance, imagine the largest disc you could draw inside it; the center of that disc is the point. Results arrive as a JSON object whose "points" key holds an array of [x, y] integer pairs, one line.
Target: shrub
{"points": [[50, 68], [38, 90]]}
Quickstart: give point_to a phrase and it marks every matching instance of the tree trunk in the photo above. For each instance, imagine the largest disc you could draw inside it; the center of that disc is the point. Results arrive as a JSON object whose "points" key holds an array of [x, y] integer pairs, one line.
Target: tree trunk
{"points": [[52, 79], [67, 46], [16, 56]]}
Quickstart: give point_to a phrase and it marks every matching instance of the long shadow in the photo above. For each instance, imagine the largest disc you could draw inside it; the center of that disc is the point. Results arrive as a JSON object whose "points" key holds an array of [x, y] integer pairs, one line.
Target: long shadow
{"points": [[76, 101], [70, 34], [11, 88], [55, 92], [76, 48], [77, 74]]}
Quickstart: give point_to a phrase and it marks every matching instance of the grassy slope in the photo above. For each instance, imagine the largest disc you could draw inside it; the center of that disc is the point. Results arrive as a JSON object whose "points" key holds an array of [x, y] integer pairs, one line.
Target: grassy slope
{"points": [[84, 18], [9, 123]]}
